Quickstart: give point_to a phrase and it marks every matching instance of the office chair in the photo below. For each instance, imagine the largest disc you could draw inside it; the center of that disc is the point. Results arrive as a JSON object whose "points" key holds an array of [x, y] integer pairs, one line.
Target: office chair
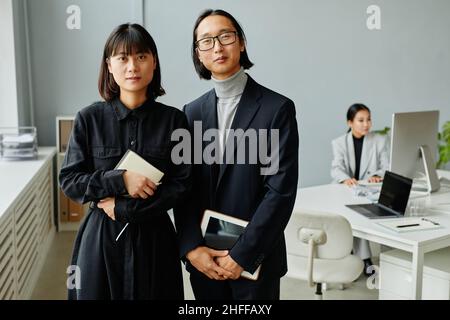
{"points": [[319, 249]]}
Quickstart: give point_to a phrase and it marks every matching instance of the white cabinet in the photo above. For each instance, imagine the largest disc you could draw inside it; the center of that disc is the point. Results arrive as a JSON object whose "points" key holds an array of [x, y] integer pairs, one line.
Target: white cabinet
{"points": [[27, 226], [396, 275], [7, 258]]}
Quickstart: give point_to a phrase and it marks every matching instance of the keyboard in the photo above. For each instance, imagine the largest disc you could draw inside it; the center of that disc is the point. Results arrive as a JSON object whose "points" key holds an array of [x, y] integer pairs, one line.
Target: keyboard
{"points": [[370, 184], [371, 210], [377, 211]]}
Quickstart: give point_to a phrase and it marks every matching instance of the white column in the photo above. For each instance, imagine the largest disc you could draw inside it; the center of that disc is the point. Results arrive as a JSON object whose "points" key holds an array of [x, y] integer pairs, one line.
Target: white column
{"points": [[8, 83]]}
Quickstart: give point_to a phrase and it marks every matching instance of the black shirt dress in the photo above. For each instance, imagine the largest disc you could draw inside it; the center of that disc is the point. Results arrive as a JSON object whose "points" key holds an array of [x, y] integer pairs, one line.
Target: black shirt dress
{"points": [[144, 262]]}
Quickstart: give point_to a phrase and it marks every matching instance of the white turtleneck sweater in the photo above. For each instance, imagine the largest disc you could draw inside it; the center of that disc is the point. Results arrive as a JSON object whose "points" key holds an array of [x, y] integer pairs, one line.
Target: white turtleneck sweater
{"points": [[229, 93]]}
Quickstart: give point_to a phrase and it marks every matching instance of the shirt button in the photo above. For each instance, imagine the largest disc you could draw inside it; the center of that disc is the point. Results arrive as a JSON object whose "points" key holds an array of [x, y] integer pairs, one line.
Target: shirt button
{"points": [[133, 142]]}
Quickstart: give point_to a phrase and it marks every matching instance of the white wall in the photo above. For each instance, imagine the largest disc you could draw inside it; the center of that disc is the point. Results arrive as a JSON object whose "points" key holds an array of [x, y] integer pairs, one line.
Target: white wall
{"points": [[317, 52], [65, 62], [8, 88], [321, 54]]}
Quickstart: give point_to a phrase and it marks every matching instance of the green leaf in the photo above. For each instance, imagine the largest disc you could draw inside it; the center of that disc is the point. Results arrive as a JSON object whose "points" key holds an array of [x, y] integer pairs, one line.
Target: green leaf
{"points": [[446, 132], [444, 145], [384, 131]]}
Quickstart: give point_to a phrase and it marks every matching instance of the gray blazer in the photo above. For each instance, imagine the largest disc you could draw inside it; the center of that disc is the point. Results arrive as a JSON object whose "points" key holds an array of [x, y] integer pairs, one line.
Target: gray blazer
{"points": [[374, 157]]}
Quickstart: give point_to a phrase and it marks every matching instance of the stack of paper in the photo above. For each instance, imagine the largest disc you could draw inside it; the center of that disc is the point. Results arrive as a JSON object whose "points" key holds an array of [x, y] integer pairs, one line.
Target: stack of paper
{"points": [[18, 143]]}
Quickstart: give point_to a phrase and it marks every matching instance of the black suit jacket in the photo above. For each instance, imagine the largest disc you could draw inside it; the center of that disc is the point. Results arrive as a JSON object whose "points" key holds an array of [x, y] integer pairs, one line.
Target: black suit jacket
{"points": [[239, 189]]}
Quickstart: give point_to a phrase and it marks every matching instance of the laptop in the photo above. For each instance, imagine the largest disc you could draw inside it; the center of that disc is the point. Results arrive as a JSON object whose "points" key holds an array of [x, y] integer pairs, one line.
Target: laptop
{"points": [[393, 198]]}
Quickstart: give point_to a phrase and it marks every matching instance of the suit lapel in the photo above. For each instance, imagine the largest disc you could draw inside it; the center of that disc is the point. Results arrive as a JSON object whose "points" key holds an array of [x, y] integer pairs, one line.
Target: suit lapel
{"points": [[209, 112], [365, 154], [209, 121], [246, 110], [351, 153]]}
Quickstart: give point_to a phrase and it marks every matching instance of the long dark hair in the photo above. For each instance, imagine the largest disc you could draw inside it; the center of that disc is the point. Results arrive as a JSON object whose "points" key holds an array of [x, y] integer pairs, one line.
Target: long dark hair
{"points": [[128, 37], [353, 110], [202, 72]]}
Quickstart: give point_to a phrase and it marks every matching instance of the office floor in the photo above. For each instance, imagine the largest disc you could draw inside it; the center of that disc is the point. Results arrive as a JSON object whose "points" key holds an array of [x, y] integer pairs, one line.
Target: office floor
{"points": [[51, 284]]}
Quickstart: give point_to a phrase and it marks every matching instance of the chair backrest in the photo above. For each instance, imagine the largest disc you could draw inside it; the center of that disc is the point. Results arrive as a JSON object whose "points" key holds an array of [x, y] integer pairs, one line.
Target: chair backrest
{"points": [[338, 231]]}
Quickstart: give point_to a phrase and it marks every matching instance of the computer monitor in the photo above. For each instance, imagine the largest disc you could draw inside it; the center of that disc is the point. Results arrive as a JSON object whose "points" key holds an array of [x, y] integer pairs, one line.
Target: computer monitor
{"points": [[414, 145]]}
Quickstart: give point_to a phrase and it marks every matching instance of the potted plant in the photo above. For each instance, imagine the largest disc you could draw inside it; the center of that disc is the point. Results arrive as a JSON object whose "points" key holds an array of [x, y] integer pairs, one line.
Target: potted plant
{"points": [[444, 146]]}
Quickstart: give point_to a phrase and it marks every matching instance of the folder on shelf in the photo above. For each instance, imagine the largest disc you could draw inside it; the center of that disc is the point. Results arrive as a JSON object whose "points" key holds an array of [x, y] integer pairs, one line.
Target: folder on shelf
{"points": [[63, 207], [221, 232], [65, 129], [76, 211]]}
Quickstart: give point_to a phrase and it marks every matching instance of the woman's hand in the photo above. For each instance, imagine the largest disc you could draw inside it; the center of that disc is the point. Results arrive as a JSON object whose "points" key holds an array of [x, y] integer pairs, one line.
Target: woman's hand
{"points": [[350, 182], [108, 205], [375, 179], [138, 186]]}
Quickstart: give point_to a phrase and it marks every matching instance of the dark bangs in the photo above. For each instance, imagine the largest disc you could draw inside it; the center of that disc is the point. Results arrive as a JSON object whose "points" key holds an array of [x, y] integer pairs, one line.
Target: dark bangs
{"points": [[128, 38], [128, 42]]}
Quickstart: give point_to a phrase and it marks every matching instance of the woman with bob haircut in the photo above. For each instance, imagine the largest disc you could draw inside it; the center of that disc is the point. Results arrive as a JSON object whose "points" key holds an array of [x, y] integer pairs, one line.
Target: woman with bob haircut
{"points": [[143, 261], [360, 155]]}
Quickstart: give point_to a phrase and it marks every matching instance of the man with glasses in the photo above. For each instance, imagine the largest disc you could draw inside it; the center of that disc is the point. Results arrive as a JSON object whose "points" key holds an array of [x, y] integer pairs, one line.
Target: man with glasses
{"points": [[239, 190], [224, 39]]}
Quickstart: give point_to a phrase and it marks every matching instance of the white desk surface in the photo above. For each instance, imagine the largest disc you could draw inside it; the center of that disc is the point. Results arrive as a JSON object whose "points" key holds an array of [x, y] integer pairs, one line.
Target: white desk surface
{"points": [[15, 176], [332, 198]]}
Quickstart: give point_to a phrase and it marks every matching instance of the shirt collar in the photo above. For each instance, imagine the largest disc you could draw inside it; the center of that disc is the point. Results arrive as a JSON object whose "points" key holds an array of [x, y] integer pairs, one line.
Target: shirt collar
{"points": [[122, 111]]}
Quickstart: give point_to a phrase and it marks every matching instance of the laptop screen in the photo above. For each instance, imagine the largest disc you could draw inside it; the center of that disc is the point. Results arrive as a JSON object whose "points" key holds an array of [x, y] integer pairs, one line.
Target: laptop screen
{"points": [[395, 192]]}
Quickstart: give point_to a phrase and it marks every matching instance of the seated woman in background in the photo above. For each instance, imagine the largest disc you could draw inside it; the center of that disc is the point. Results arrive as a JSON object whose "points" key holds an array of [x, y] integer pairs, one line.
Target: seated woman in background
{"points": [[360, 155]]}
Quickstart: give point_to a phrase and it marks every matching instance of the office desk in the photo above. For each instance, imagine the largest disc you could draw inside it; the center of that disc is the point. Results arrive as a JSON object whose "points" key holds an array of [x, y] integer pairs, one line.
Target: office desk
{"points": [[332, 198]]}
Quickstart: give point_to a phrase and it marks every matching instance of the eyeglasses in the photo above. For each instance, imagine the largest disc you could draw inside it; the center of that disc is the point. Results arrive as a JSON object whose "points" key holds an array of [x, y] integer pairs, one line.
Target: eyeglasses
{"points": [[224, 39]]}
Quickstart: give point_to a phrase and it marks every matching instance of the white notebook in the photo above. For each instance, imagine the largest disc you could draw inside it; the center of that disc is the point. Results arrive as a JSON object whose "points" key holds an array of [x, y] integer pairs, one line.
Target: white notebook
{"points": [[131, 161], [410, 224]]}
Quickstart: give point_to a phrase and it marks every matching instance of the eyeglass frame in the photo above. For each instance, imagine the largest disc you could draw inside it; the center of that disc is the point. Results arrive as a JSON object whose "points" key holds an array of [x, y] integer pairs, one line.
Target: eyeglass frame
{"points": [[236, 36]]}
